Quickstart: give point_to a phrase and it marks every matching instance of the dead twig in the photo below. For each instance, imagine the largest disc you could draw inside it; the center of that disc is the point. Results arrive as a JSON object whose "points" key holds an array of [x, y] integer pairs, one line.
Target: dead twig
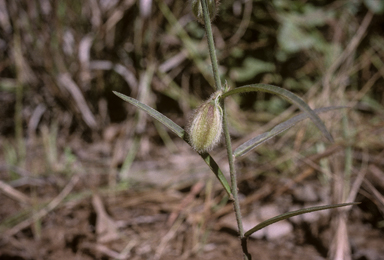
{"points": [[14, 194], [43, 212]]}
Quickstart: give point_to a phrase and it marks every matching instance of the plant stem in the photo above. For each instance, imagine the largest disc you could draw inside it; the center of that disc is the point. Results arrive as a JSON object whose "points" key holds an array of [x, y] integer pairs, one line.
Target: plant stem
{"points": [[236, 203], [211, 44], [232, 171]]}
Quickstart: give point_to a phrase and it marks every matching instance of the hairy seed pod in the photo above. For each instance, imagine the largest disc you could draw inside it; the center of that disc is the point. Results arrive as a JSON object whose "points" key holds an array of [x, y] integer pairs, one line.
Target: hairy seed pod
{"points": [[197, 9], [206, 126]]}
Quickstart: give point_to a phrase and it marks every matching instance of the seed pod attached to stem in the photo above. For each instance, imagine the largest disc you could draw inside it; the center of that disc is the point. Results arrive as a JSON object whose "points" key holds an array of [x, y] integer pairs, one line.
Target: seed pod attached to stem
{"points": [[197, 9], [206, 126]]}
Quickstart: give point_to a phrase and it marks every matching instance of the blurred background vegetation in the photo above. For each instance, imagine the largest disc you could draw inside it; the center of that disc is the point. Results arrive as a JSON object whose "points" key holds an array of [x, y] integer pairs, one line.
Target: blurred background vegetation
{"points": [[60, 61]]}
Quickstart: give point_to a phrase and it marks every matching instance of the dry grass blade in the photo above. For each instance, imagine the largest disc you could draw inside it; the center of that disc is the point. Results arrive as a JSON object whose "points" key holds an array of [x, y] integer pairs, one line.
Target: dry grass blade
{"points": [[378, 197], [66, 82], [340, 247], [13, 193], [51, 206], [106, 228]]}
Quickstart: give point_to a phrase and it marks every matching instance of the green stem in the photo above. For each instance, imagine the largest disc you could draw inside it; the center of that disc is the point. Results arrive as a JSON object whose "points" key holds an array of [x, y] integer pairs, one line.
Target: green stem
{"points": [[236, 203], [232, 171], [211, 44]]}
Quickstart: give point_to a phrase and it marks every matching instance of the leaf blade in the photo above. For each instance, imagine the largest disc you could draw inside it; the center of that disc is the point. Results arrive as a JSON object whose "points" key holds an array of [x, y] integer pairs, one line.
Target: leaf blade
{"points": [[260, 139], [287, 95], [216, 170], [178, 130], [292, 214]]}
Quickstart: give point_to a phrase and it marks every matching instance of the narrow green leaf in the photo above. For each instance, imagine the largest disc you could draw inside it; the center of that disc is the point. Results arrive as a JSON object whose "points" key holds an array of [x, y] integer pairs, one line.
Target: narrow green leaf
{"points": [[180, 132], [155, 114], [287, 95], [292, 214], [258, 140], [216, 170]]}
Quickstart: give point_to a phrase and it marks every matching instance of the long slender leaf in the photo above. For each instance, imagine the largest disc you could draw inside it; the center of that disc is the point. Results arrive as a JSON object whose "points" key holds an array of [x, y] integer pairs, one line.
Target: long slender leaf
{"points": [[180, 132], [258, 140], [292, 214], [216, 170], [289, 96]]}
